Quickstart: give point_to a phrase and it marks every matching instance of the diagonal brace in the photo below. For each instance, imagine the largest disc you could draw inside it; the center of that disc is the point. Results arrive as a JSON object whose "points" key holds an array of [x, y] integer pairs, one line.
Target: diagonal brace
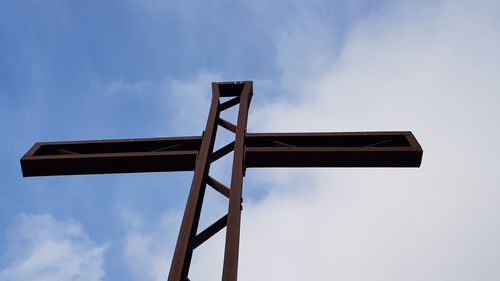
{"points": [[221, 152], [208, 232], [230, 103], [227, 125], [221, 188]]}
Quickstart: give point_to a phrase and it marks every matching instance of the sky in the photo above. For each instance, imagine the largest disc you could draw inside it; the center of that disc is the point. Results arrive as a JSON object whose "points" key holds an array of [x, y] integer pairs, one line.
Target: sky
{"points": [[75, 70]]}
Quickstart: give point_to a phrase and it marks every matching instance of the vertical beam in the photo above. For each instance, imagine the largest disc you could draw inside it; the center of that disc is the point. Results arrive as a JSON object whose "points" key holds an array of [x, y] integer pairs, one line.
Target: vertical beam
{"points": [[183, 252], [230, 270], [188, 240]]}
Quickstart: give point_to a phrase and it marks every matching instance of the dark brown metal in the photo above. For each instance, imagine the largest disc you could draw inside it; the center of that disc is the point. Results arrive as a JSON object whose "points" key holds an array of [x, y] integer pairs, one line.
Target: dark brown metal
{"points": [[188, 240], [231, 89], [221, 152], [357, 149], [111, 156], [227, 125], [364, 149], [183, 252], [230, 103], [209, 232], [221, 188], [230, 269]]}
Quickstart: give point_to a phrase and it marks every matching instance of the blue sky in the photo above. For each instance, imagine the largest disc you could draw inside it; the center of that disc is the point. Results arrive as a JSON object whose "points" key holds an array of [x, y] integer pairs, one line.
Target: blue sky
{"points": [[74, 70]]}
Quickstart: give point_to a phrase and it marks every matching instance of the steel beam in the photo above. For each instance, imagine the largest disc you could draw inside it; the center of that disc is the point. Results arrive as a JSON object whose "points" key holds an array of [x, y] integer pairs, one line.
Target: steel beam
{"points": [[357, 149], [361, 149], [111, 156], [188, 238], [230, 269], [183, 252]]}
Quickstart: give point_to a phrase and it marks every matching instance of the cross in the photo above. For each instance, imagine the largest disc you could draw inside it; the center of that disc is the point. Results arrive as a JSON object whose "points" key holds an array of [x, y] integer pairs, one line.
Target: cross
{"points": [[340, 149]]}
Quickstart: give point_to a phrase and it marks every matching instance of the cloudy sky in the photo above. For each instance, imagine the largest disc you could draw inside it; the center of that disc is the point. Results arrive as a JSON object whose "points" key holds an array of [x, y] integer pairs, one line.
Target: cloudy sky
{"points": [[125, 69]]}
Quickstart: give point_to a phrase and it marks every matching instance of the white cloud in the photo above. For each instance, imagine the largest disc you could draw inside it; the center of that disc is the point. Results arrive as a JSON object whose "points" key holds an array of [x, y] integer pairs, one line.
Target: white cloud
{"points": [[147, 252], [190, 101], [150, 242], [42, 248], [187, 101], [429, 67]]}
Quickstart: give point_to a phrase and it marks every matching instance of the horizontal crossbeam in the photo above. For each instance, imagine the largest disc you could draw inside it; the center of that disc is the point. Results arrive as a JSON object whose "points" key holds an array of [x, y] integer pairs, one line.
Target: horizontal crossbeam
{"points": [[363, 149], [111, 156]]}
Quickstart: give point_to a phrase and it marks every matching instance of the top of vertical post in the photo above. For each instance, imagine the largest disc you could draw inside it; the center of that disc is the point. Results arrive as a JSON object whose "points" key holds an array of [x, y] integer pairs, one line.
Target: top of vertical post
{"points": [[230, 89]]}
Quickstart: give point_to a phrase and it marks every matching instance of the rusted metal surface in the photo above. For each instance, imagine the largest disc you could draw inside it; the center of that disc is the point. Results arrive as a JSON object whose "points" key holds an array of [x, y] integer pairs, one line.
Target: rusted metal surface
{"points": [[183, 252], [363, 149], [111, 156], [262, 150], [188, 238], [251, 150], [230, 268], [210, 231]]}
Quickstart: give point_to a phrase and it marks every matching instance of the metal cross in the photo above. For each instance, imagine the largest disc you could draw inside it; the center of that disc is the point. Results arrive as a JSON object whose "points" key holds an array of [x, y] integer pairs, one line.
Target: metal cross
{"points": [[361, 149]]}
